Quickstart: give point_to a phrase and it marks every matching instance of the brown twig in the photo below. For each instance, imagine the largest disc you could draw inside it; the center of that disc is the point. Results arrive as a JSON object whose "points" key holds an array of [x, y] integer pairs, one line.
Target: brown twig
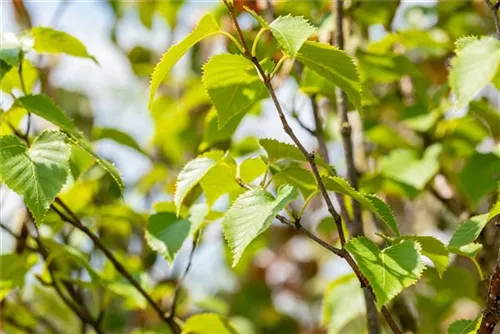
{"points": [[352, 174], [183, 277], [491, 312], [494, 11], [311, 159], [75, 221]]}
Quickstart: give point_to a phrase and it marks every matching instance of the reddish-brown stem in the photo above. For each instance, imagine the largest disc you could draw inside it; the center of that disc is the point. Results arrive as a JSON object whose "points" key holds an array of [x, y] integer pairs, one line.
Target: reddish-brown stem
{"points": [[311, 159]]}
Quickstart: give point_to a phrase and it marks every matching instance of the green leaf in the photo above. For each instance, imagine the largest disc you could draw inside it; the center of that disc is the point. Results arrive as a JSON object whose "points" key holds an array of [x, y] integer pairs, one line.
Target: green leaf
{"points": [[291, 32], [4, 68], [44, 107], [464, 41], [37, 173], [368, 201], [251, 168], [220, 180], [192, 173], [298, 177], [233, 84], [464, 326], [118, 136], [277, 150], [251, 214], [165, 233], [488, 115], [389, 271], [335, 66], [404, 165], [212, 134], [208, 323], [434, 249], [468, 231], [473, 68], [206, 27], [479, 177], [48, 40], [11, 118], [342, 303], [13, 270], [11, 79]]}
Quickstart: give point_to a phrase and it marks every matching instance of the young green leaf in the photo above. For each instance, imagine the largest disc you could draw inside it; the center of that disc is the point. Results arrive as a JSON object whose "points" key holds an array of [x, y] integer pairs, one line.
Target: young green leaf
{"points": [[221, 180], [208, 323], [118, 136], [251, 168], [335, 66], [464, 326], [251, 214], [192, 174], [473, 68], [404, 165], [389, 271], [13, 270], [291, 32], [432, 248], [205, 28], [44, 107], [48, 40], [4, 68], [165, 233], [37, 173], [468, 231], [277, 150], [233, 84], [368, 201]]}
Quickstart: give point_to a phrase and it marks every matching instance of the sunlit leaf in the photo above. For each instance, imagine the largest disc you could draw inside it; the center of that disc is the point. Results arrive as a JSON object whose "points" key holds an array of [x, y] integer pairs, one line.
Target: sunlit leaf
{"points": [[251, 214], [37, 173], [473, 68], [389, 271], [207, 323], [368, 201], [335, 66], [165, 233], [291, 32], [206, 27], [48, 40], [233, 85]]}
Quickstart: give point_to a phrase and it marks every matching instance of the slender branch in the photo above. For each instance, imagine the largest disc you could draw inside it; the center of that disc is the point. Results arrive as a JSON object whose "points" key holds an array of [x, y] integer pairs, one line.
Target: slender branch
{"points": [[76, 222], [494, 11], [311, 159], [373, 323], [319, 133], [82, 314], [491, 312], [181, 279]]}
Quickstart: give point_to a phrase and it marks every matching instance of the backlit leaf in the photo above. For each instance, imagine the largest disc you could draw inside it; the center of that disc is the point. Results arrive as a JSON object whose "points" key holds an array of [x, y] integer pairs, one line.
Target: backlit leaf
{"points": [[291, 32], [206, 27], [37, 173], [389, 271], [251, 214]]}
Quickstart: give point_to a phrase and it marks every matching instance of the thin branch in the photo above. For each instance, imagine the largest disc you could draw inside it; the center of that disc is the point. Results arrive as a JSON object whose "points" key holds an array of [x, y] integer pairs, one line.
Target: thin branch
{"points": [[491, 312], [76, 222], [494, 11], [311, 159], [373, 323], [181, 279], [319, 133]]}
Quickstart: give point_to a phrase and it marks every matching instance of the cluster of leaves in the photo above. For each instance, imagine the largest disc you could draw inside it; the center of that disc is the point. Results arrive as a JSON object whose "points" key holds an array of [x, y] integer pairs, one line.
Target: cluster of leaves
{"points": [[418, 149]]}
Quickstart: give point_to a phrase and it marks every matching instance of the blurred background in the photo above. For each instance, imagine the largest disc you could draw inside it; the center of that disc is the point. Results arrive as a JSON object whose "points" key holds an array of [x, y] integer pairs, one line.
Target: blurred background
{"points": [[279, 285]]}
